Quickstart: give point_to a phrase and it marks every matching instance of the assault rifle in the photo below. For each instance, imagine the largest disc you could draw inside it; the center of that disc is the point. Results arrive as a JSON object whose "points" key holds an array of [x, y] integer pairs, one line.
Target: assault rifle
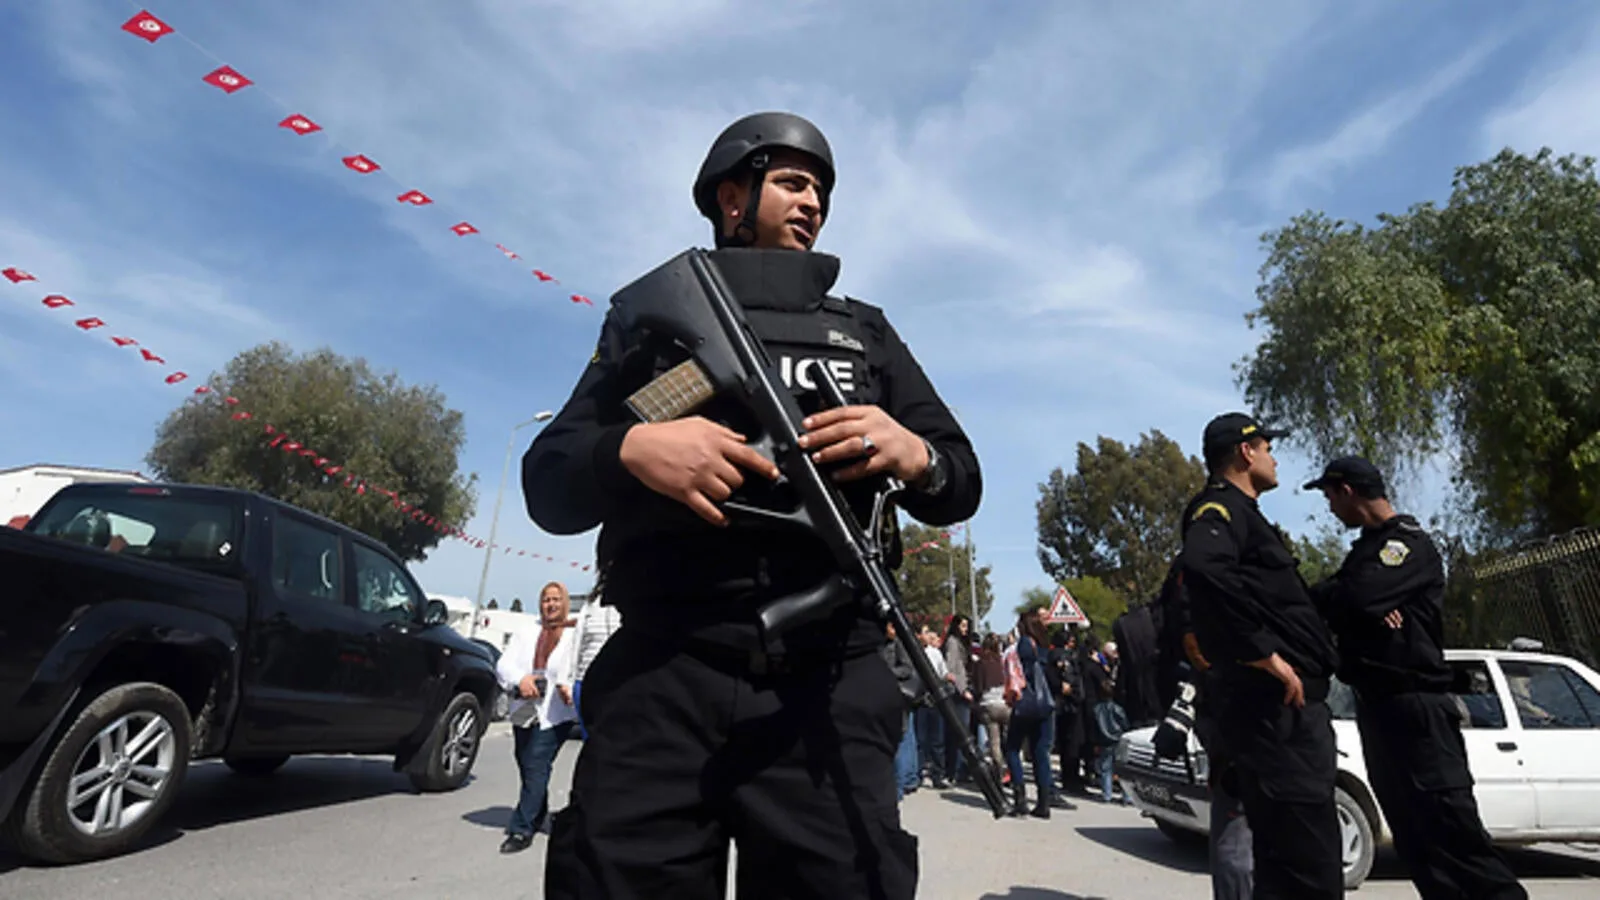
{"points": [[687, 301]]}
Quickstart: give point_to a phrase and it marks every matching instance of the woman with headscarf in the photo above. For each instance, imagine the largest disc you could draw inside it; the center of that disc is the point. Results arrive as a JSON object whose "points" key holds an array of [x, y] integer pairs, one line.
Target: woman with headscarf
{"points": [[539, 673]]}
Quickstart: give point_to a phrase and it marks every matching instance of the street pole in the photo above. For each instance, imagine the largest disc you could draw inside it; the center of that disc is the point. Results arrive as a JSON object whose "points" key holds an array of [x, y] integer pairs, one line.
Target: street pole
{"points": [[950, 575], [972, 576], [494, 523]]}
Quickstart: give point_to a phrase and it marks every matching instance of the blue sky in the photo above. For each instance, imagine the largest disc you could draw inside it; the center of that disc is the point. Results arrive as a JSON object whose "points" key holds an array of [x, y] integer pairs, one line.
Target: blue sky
{"points": [[1058, 204]]}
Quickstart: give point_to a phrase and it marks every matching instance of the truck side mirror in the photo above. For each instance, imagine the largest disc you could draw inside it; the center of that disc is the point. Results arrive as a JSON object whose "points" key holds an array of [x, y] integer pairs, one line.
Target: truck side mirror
{"points": [[435, 613]]}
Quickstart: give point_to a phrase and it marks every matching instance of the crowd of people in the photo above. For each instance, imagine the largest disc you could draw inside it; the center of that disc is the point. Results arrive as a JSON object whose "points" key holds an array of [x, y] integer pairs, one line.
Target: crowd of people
{"points": [[1032, 692]]}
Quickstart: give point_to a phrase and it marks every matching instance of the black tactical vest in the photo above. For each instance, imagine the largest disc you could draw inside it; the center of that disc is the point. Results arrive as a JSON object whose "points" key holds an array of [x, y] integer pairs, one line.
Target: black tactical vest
{"points": [[784, 295]]}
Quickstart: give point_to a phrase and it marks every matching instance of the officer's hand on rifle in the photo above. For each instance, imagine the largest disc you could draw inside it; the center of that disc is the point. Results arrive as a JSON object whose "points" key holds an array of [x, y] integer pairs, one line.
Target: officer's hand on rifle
{"points": [[1293, 691], [848, 432], [694, 461]]}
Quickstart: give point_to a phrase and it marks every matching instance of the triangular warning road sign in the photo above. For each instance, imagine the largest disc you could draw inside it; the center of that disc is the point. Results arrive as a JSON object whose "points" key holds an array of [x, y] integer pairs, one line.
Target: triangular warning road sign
{"points": [[1065, 610]]}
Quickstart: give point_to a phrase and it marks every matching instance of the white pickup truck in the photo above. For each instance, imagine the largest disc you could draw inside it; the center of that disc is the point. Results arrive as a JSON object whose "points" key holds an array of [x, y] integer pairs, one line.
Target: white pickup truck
{"points": [[1531, 722]]}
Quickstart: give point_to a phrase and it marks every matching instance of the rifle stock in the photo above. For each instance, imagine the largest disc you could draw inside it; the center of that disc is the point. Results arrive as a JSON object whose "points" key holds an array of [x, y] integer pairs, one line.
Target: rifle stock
{"points": [[687, 301]]}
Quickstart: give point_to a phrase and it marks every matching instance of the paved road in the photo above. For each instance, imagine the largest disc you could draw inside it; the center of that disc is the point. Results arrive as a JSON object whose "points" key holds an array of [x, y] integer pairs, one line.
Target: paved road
{"points": [[343, 827]]}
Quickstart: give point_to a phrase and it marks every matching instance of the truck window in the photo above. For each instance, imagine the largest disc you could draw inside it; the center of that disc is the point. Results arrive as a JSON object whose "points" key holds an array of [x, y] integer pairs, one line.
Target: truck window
{"points": [[305, 560], [1477, 692], [382, 587], [149, 526], [1547, 698]]}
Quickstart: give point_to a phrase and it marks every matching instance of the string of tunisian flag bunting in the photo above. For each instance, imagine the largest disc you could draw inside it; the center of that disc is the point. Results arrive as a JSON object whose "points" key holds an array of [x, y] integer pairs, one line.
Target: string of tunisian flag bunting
{"points": [[225, 78], [277, 437]]}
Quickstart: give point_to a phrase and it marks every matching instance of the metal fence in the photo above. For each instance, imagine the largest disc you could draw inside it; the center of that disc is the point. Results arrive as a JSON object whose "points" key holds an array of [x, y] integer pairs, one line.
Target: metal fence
{"points": [[1549, 591]]}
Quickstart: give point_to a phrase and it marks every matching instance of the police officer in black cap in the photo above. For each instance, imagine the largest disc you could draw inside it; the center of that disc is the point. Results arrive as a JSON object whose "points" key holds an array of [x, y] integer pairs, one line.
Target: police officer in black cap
{"points": [[701, 728], [1386, 607], [1272, 657]]}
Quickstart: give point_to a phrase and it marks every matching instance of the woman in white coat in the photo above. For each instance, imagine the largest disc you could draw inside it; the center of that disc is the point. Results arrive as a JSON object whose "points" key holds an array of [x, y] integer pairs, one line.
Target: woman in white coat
{"points": [[538, 669]]}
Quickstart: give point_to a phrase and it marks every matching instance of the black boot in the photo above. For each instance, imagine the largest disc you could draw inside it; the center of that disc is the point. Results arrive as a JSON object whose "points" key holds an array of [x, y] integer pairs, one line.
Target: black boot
{"points": [[1042, 809], [1019, 798]]}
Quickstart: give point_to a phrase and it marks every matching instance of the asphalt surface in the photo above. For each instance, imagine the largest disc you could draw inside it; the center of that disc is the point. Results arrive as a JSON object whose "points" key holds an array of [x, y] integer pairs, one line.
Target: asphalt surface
{"points": [[345, 827]]}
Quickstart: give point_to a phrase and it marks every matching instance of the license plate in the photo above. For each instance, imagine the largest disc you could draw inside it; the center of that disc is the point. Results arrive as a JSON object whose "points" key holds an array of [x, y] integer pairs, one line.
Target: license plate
{"points": [[1155, 795]]}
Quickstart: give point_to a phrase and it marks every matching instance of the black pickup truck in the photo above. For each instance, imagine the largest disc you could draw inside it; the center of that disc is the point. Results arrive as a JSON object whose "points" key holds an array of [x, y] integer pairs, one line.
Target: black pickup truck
{"points": [[142, 626]]}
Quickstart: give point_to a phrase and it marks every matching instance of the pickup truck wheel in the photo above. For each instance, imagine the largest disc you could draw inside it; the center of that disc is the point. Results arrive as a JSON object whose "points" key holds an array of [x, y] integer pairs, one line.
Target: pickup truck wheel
{"points": [[109, 779], [1356, 841], [453, 746], [256, 766]]}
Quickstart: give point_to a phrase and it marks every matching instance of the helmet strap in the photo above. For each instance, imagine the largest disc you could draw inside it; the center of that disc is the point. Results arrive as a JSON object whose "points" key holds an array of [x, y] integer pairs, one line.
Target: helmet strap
{"points": [[744, 234]]}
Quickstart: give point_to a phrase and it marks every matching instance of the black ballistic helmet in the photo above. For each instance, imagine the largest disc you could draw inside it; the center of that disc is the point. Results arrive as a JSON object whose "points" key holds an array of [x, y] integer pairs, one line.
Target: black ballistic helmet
{"points": [[746, 143]]}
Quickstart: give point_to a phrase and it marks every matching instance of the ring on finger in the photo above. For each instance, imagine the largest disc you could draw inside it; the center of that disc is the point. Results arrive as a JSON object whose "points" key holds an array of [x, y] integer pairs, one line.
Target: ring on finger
{"points": [[867, 446]]}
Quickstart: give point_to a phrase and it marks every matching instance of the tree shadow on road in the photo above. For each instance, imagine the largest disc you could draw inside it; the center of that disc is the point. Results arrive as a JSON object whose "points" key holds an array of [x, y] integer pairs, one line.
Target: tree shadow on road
{"points": [[1150, 845], [1036, 893]]}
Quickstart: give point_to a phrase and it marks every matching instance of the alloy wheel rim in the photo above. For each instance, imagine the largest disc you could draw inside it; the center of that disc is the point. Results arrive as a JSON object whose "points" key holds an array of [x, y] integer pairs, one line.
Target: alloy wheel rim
{"points": [[121, 774], [461, 742]]}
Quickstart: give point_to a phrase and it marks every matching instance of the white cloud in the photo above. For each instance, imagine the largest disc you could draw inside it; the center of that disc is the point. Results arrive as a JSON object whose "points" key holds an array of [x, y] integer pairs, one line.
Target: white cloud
{"points": [[1367, 133], [1557, 107]]}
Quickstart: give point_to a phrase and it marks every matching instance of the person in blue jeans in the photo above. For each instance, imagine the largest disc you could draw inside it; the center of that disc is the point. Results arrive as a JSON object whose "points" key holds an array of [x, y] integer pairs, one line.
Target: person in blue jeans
{"points": [[908, 775], [1030, 727], [538, 669]]}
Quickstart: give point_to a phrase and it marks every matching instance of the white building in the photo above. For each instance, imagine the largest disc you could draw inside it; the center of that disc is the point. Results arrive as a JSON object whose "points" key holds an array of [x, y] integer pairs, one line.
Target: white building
{"points": [[26, 488]]}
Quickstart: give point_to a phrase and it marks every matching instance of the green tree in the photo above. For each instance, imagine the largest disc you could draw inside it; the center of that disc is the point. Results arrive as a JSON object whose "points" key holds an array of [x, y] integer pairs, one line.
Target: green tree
{"points": [[1469, 328], [1320, 556], [402, 438], [1116, 517], [925, 576]]}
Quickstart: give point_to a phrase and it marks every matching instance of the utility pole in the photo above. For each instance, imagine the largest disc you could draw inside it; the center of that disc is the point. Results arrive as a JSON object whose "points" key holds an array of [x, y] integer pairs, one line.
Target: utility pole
{"points": [[494, 523], [972, 576], [950, 566]]}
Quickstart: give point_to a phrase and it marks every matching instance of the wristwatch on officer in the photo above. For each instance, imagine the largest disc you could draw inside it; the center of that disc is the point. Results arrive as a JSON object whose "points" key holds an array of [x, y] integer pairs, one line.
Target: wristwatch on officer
{"points": [[933, 478]]}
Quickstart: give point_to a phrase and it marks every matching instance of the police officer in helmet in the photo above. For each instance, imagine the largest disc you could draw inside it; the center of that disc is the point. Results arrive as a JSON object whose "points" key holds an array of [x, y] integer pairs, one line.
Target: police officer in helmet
{"points": [[1272, 658], [702, 728], [1386, 607]]}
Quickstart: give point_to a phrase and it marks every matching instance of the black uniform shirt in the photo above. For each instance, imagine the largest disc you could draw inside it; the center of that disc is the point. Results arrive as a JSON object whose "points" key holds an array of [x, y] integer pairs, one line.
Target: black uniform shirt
{"points": [[662, 561], [1247, 598], [1391, 566]]}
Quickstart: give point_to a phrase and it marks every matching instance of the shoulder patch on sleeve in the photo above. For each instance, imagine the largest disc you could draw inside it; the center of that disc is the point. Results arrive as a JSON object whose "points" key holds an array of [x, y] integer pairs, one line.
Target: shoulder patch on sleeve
{"points": [[1207, 507], [1393, 553]]}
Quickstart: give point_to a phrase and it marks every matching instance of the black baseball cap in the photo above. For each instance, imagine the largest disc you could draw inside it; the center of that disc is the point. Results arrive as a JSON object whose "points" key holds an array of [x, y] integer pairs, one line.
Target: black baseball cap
{"points": [[1234, 428], [1352, 470]]}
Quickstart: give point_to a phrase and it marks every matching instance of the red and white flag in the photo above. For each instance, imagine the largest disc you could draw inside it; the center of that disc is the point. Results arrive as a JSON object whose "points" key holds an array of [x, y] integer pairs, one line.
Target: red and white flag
{"points": [[16, 275], [203, 389], [176, 377], [123, 341], [544, 276], [240, 416], [415, 198], [579, 298], [147, 26], [507, 251], [299, 125], [56, 301], [151, 357], [227, 79], [231, 401], [463, 229], [361, 164], [87, 324]]}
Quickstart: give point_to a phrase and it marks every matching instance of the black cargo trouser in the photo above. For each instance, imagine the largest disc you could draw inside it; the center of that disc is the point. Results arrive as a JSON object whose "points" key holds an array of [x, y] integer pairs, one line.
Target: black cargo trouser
{"points": [[1417, 765], [686, 752], [1286, 767]]}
